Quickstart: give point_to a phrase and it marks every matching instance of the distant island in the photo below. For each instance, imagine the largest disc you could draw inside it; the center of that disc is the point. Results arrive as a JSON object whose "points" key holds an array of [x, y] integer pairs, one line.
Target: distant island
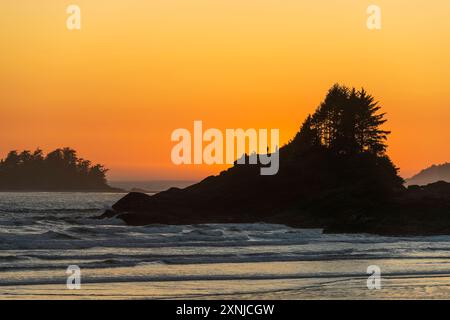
{"points": [[59, 170], [431, 174], [334, 174]]}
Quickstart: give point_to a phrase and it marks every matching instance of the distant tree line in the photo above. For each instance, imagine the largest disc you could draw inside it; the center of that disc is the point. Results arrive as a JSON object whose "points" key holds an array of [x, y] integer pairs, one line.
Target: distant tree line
{"points": [[60, 169]]}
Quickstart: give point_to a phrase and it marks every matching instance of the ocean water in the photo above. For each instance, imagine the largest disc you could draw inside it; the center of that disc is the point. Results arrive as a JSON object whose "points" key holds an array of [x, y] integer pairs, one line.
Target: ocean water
{"points": [[41, 234]]}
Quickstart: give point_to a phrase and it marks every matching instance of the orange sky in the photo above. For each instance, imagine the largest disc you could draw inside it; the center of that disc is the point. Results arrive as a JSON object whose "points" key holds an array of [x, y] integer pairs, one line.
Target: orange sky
{"points": [[137, 70]]}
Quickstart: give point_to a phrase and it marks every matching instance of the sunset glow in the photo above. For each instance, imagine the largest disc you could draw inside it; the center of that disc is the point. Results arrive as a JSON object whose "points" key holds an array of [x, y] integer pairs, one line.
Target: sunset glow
{"points": [[137, 70]]}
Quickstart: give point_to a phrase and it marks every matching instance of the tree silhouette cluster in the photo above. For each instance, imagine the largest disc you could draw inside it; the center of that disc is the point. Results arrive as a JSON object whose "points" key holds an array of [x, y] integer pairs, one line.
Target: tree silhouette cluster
{"points": [[60, 169], [343, 140], [347, 122]]}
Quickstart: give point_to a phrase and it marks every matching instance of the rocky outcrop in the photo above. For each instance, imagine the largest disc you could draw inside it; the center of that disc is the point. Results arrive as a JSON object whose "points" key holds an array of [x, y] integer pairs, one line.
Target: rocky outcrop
{"points": [[334, 174], [419, 210]]}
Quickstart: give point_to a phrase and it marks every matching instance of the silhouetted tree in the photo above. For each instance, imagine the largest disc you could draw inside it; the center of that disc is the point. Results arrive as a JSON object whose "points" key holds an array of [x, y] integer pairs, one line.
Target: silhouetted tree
{"points": [[343, 141], [12, 159], [346, 122]]}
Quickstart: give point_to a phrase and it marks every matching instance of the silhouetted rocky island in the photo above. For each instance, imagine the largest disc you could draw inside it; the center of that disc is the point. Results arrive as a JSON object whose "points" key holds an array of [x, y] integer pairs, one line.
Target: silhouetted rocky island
{"points": [[334, 174], [59, 170]]}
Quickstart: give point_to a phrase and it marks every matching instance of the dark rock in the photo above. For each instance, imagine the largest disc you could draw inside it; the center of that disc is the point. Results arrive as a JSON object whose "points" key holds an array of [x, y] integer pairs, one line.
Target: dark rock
{"points": [[421, 210], [107, 214]]}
